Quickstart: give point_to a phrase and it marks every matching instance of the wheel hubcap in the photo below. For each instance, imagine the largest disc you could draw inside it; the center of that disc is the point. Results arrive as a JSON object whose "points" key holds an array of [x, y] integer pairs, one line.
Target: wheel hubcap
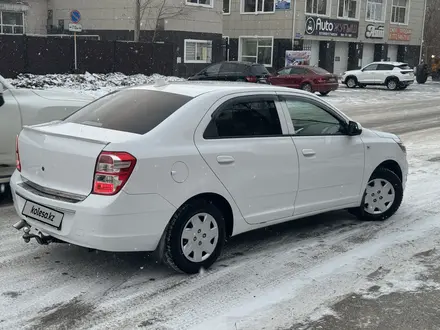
{"points": [[351, 83], [199, 237], [379, 196], [392, 84]]}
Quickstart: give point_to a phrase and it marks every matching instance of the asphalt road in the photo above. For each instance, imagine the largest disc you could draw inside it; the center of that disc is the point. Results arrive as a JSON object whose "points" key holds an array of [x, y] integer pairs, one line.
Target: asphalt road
{"points": [[281, 277]]}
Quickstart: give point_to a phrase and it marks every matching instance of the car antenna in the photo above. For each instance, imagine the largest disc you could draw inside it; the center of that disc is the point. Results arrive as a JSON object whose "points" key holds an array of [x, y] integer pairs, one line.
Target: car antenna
{"points": [[159, 82]]}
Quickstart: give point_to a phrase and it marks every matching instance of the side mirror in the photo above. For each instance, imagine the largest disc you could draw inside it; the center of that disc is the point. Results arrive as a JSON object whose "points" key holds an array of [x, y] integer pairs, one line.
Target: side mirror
{"points": [[2, 99], [354, 128]]}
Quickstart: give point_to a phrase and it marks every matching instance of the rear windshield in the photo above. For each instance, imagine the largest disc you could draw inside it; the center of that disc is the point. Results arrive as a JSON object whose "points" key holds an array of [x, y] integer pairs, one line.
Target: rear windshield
{"points": [[259, 70], [130, 110], [404, 67], [319, 70]]}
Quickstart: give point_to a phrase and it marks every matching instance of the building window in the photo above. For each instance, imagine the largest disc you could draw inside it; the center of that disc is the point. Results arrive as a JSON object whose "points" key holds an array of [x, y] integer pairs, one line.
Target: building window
{"points": [[226, 6], [198, 51], [398, 11], [348, 9], [11, 22], [258, 6], [202, 3], [256, 50], [376, 10], [317, 7]]}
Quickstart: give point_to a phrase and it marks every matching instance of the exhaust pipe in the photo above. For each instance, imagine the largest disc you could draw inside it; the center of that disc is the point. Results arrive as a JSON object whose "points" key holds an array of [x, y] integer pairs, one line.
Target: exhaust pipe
{"points": [[19, 225]]}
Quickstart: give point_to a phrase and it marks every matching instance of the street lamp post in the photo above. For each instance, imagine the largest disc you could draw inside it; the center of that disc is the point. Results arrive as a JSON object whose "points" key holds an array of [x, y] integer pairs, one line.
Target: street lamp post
{"points": [[423, 33]]}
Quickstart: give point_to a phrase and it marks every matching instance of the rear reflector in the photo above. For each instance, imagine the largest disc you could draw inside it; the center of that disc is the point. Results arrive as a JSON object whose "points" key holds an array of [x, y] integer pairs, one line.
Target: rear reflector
{"points": [[17, 155], [113, 169]]}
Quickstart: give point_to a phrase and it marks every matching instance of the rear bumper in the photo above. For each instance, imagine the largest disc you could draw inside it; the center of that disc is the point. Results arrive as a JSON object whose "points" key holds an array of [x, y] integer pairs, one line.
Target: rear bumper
{"points": [[326, 87], [121, 223]]}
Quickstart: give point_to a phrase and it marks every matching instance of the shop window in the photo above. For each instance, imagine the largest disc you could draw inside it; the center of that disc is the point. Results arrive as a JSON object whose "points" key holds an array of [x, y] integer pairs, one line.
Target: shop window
{"points": [[258, 6], [202, 3], [399, 11], [376, 10], [348, 9], [198, 51], [256, 50], [317, 7], [11, 22]]}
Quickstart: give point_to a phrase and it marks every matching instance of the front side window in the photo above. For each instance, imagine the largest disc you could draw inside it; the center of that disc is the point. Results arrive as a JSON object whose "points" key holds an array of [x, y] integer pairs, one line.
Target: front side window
{"points": [[133, 110], [371, 67], [213, 70], [398, 11], [198, 51], [348, 9], [310, 120], [11, 22], [258, 6], [257, 50], [203, 3], [376, 10], [245, 117], [317, 7]]}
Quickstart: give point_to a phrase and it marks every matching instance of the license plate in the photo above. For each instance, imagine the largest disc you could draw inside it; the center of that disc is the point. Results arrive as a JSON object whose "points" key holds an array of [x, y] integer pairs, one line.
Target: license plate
{"points": [[332, 80], [43, 214]]}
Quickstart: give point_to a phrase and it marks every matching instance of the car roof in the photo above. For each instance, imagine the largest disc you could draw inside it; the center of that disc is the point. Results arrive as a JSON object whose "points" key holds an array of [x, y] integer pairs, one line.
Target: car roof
{"points": [[197, 88], [242, 62], [391, 63]]}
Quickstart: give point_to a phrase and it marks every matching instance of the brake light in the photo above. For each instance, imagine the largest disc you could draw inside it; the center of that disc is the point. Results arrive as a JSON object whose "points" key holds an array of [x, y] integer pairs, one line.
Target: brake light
{"points": [[251, 79], [17, 155], [321, 80], [113, 169]]}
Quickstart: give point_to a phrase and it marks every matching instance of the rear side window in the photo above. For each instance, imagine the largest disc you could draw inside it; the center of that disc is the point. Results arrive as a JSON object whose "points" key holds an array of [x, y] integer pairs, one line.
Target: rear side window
{"points": [[245, 117], [259, 70], [318, 70], [385, 67], [228, 67], [130, 110]]}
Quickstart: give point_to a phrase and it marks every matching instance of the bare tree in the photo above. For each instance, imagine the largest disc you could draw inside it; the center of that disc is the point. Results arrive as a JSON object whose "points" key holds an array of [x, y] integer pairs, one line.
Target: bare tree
{"points": [[157, 12]]}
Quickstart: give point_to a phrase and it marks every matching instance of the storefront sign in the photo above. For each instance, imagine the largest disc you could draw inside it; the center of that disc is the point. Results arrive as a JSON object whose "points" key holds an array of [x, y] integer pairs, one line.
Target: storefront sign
{"points": [[375, 32], [399, 34], [318, 26]]}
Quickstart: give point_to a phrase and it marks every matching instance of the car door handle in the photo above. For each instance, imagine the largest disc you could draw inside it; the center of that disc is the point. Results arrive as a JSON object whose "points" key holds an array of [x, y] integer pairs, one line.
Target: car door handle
{"points": [[225, 160], [308, 152]]}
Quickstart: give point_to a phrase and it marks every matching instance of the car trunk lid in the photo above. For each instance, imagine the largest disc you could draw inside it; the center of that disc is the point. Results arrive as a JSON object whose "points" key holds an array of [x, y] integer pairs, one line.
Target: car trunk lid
{"points": [[62, 156]]}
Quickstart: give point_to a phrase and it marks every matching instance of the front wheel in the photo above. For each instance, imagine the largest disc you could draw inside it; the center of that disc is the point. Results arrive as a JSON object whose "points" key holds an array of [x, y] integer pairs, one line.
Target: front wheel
{"points": [[351, 82], [382, 197], [195, 237]]}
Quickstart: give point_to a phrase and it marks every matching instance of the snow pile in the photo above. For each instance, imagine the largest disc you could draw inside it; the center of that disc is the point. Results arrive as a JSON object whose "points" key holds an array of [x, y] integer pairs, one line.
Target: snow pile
{"points": [[85, 82]]}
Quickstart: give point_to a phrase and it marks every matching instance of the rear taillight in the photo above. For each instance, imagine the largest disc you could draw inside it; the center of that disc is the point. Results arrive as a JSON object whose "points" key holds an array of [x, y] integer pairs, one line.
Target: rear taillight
{"points": [[251, 79], [113, 169], [17, 156], [321, 80]]}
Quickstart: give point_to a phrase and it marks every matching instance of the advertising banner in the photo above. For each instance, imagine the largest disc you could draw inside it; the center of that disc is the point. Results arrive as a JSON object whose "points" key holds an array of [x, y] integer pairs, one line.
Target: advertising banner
{"points": [[320, 26]]}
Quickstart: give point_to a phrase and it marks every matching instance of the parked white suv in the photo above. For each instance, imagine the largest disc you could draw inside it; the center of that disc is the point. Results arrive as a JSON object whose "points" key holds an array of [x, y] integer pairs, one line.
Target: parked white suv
{"points": [[394, 75], [179, 168]]}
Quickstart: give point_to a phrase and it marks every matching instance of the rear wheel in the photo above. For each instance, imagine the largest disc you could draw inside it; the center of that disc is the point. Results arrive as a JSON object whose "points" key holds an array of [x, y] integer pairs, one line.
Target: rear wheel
{"points": [[351, 82], [382, 197], [324, 93], [392, 84], [307, 87], [195, 237]]}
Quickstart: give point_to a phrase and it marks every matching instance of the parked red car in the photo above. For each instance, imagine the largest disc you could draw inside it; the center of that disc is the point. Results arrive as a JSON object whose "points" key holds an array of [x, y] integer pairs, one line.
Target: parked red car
{"points": [[308, 78]]}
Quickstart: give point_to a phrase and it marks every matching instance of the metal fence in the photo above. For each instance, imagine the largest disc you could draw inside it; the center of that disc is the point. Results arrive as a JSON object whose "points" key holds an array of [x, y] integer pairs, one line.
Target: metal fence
{"points": [[43, 55]]}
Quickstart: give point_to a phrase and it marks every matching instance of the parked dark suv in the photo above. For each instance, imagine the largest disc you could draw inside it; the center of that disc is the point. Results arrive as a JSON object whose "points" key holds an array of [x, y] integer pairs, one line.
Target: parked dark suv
{"points": [[234, 71]]}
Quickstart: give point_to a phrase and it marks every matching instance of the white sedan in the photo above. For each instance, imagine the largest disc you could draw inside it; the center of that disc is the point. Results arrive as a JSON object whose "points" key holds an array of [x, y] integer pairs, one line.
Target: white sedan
{"points": [[178, 168]]}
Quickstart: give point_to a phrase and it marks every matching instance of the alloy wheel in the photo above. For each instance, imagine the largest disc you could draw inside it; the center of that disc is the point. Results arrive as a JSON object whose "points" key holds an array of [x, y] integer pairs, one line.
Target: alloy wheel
{"points": [[379, 196], [351, 83], [199, 237]]}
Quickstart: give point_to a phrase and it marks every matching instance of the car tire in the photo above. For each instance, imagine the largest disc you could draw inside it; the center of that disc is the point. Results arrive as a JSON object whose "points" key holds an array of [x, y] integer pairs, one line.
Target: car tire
{"points": [[371, 209], [351, 82], [307, 87], [188, 226], [392, 84], [324, 93]]}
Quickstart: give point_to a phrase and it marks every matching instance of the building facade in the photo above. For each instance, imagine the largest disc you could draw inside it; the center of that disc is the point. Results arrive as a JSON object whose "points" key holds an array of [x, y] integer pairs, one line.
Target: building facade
{"points": [[341, 34], [194, 26]]}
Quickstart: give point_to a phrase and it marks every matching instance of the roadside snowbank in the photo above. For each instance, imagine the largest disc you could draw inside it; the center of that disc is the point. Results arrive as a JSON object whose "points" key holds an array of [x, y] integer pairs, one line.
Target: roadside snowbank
{"points": [[91, 83]]}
